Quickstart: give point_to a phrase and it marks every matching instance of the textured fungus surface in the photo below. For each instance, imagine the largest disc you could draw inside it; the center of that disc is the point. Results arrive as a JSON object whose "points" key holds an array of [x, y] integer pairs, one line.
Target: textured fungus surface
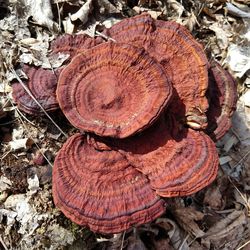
{"points": [[42, 84], [101, 189], [177, 164], [222, 95], [181, 56], [113, 90], [72, 44]]}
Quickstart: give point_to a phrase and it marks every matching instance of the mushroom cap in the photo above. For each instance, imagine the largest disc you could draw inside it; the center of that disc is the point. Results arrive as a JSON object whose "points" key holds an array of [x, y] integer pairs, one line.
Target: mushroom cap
{"points": [[222, 95], [113, 90], [72, 44], [177, 163], [100, 189], [42, 84], [181, 56]]}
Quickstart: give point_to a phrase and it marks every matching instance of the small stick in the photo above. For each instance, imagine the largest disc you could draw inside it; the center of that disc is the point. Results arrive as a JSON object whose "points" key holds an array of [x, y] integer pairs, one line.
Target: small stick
{"points": [[3, 244]]}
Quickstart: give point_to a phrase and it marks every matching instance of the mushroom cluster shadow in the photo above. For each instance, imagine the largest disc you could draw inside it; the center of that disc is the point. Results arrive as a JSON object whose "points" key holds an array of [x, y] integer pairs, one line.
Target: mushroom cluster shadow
{"points": [[149, 106]]}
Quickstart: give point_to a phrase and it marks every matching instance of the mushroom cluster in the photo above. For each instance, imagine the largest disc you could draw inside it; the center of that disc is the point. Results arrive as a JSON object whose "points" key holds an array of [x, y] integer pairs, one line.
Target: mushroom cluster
{"points": [[147, 103]]}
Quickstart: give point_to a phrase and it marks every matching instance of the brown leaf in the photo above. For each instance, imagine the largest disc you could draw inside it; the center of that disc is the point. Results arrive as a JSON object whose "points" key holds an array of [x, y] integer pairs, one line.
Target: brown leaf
{"points": [[213, 198], [176, 235], [135, 243], [226, 230], [186, 218]]}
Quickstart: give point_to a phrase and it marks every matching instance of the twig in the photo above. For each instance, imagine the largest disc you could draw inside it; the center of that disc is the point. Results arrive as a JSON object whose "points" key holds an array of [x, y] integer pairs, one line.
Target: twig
{"points": [[245, 244], [40, 106], [183, 242], [20, 116], [105, 37], [242, 159], [5, 155], [45, 157], [123, 236], [7, 123], [3, 244], [242, 196], [59, 16], [236, 134], [24, 117]]}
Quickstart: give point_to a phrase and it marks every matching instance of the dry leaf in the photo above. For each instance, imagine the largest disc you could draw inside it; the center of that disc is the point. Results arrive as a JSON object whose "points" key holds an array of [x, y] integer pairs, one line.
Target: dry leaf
{"points": [[135, 243], [232, 9], [83, 13], [106, 6], [226, 231], [41, 13], [225, 159], [190, 21], [68, 26], [176, 235], [109, 22], [178, 7], [241, 119], [238, 59], [213, 198], [186, 218], [24, 143], [222, 35], [5, 183], [33, 183]]}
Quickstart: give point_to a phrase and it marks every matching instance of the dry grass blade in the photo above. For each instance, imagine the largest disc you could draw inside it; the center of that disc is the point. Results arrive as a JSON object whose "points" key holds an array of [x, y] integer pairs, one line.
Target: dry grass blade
{"points": [[32, 96]]}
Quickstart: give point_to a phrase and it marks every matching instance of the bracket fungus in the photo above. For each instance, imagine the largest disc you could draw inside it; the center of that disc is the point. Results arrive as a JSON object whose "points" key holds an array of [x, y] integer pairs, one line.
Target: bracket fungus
{"points": [[42, 84], [113, 90], [101, 189], [222, 94], [72, 44], [181, 56], [133, 99], [176, 162]]}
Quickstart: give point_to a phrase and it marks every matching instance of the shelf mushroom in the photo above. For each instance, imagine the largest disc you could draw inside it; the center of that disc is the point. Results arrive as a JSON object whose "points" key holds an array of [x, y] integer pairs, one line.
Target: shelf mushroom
{"points": [[133, 99], [72, 44], [42, 84], [101, 189], [177, 162], [222, 94], [113, 90], [111, 184], [181, 56]]}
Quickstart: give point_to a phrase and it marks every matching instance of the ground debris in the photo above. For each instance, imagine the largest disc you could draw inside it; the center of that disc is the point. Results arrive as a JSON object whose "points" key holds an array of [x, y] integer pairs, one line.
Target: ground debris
{"points": [[226, 231]]}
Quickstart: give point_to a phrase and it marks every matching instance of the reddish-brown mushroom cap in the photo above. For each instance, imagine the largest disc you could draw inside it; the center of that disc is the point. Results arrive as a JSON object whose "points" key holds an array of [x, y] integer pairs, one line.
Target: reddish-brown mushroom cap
{"points": [[72, 44], [181, 56], [179, 163], [113, 90], [100, 189], [222, 95], [42, 84]]}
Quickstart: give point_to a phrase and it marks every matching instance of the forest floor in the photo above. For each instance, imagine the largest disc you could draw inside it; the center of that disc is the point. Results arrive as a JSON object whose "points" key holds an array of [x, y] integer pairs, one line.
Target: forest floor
{"points": [[215, 218]]}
